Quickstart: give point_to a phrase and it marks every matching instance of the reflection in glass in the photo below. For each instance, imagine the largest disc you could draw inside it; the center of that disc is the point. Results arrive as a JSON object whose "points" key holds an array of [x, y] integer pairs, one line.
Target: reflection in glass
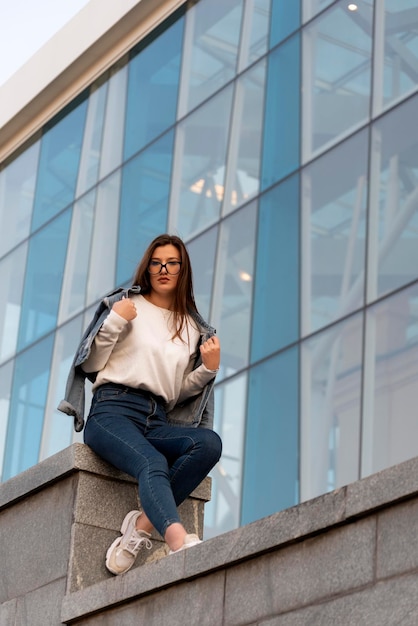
{"points": [[271, 470], [17, 189], [254, 33], [58, 162], [232, 299], [28, 396], [92, 141], [101, 277], [11, 281], [336, 75], [244, 144], [281, 114], [391, 382], [43, 278], [152, 88], [311, 8], [114, 121], [285, 18], [330, 408], [396, 52], [276, 290], [58, 428], [222, 513], [144, 203], [202, 251], [393, 231], [6, 373], [199, 166], [74, 282], [210, 50], [334, 233]]}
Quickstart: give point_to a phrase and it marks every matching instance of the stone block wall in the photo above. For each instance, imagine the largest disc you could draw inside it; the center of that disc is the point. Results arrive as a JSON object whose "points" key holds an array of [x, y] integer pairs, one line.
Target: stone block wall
{"points": [[347, 558], [57, 520]]}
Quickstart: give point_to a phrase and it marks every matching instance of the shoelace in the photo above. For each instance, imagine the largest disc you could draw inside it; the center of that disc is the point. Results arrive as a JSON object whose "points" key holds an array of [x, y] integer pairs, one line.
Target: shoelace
{"points": [[135, 542]]}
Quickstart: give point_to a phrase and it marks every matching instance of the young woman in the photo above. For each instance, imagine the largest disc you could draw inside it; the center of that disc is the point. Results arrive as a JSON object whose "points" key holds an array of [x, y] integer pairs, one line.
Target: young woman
{"points": [[154, 361]]}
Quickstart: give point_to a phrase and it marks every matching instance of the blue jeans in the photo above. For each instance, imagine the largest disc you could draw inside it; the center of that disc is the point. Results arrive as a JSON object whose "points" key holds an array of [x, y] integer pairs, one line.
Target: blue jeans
{"points": [[128, 428]]}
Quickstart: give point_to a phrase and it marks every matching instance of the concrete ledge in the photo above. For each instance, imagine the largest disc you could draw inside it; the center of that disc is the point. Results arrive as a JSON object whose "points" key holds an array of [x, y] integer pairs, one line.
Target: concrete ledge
{"points": [[319, 519], [348, 557], [60, 517], [77, 457]]}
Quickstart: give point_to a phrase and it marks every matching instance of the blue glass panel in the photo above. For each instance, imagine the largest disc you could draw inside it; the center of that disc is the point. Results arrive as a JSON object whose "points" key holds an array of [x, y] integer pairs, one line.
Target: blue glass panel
{"points": [[58, 429], [152, 89], [254, 32], [337, 63], [276, 289], [11, 281], [331, 380], [393, 220], [199, 166], [233, 289], [285, 18], [202, 255], [144, 203], [41, 294], [271, 449], [27, 407], [17, 191], [281, 125], [210, 54], [92, 148], [58, 164], [6, 376], [395, 64]]}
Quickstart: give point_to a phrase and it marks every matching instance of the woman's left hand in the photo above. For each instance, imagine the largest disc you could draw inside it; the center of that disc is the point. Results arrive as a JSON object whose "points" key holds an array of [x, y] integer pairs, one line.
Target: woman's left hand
{"points": [[211, 353]]}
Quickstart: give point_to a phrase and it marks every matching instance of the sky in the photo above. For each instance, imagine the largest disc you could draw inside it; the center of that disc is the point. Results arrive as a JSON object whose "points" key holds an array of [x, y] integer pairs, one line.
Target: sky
{"points": [[25, 25]]}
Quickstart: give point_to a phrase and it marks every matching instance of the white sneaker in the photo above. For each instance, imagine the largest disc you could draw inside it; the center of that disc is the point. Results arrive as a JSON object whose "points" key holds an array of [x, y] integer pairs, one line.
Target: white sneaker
{"points": [[122, 553], [189, 541]]}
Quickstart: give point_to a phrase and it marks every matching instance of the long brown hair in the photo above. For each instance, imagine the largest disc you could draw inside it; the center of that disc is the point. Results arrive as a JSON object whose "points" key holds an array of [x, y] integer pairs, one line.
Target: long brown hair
{"points": [[184, 302]]}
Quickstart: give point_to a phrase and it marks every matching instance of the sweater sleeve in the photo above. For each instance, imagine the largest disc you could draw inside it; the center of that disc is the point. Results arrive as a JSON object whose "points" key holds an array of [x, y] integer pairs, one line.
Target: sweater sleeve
{"points": [[194, 382], [104, 342]]}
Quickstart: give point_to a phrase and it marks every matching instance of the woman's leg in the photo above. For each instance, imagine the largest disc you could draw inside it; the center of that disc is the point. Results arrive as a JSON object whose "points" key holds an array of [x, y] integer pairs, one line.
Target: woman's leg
{"points": [[114, 430], [191, 454]]}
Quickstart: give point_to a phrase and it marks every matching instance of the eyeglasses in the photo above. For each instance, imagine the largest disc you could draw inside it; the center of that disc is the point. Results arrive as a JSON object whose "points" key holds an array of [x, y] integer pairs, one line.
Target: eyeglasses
{"points": [[171, 267]]}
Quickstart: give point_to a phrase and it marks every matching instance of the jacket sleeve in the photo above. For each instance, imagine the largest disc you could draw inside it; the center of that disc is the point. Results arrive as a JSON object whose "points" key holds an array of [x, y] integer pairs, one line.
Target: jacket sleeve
{"points": [[104, 343]]}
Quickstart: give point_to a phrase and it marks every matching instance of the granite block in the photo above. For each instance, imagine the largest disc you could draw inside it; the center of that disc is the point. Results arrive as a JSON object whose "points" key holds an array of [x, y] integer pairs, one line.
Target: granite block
{"points": [[336, 562], [198, 603], [137, 582], [389, 603], [38, 539], [279, 529], [8, 612], [397, 545], [102, 502], [88, 551], [383, 488], [42, 606], [77, 457]]}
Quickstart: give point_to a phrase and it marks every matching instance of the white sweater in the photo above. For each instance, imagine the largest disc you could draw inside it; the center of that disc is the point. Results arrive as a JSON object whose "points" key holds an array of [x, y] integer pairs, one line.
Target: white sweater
{"points": [[142, 354]]}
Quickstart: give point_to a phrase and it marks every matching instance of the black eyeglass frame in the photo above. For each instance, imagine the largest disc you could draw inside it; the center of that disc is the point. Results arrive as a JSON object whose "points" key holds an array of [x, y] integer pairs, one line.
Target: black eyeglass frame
{"points": [[176, 263]]}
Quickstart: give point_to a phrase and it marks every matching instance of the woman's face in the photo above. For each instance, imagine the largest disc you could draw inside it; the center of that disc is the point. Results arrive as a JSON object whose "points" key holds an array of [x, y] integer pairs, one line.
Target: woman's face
{"points": [[164, 282]]}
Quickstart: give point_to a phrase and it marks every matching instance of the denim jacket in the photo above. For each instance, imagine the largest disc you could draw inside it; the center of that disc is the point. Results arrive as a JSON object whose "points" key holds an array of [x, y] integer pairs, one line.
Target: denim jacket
{"points": [[195, 411]]}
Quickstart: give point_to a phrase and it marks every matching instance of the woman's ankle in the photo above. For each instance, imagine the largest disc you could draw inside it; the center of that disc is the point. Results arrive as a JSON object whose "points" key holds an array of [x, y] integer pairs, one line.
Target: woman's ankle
{"points": [[143, 523], [174, 536]]}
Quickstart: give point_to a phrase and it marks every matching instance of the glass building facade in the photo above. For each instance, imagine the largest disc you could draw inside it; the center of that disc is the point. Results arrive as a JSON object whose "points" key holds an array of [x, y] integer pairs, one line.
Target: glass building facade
{"points": [[279, 140]]}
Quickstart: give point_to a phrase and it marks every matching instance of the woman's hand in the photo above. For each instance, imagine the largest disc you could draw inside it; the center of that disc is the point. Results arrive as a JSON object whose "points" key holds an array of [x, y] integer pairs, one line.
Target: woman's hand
{"points": [[125, 308], [211, 353]]}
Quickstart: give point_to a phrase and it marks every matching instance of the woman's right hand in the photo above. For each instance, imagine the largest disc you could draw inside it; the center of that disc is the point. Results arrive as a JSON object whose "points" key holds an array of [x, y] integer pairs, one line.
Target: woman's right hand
{"points": [[125, 308]]}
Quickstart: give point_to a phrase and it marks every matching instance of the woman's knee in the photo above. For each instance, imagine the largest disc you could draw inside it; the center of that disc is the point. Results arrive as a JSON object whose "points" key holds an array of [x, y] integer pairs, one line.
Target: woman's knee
{"points": [[212, 443]]}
